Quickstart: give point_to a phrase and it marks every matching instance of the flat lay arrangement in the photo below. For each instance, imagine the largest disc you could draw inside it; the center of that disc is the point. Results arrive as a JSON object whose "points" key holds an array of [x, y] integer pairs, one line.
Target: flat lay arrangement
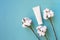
{"points": [[29, 19], [41, 28]]}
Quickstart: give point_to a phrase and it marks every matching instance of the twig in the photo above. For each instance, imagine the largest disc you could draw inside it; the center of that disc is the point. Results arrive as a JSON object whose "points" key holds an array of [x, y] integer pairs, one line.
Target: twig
{"points": [[34, 32], [46, 37], [53, 27]]}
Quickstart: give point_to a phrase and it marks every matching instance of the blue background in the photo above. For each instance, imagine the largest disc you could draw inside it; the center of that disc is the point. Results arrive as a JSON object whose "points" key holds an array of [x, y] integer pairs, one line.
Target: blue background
{"points": [[12, 12]]}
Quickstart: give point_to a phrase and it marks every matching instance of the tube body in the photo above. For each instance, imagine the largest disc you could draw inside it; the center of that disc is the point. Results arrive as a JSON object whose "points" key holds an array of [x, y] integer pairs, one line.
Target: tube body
{"points": [[37, 13]]}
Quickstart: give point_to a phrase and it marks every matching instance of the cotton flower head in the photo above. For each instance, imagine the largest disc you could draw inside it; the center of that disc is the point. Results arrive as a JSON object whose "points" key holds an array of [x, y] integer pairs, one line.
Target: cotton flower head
{"points": [[48, 13], [26, 22], [41, 30]]}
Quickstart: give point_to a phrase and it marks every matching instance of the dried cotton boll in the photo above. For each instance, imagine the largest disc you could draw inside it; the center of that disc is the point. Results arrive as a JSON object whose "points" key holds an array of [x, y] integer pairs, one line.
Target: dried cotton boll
{"points": [[26, 22], [46, 10], [51, 13], [45, 16], [40, 33], [41, 30], [48, 13]]}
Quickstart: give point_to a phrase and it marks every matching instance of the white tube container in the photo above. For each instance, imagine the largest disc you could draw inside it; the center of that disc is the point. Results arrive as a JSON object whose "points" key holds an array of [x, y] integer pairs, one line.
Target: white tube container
{"points": [[38, 14]]}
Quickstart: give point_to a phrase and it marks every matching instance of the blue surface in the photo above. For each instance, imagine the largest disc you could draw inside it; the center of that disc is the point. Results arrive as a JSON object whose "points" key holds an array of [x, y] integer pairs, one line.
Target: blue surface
{"points": [[12, 11]]}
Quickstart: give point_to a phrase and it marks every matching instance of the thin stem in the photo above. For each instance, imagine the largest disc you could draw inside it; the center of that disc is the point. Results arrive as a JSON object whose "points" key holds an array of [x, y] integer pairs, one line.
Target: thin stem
{"points": [[46, 37], [53, 28], [34, 33]]}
